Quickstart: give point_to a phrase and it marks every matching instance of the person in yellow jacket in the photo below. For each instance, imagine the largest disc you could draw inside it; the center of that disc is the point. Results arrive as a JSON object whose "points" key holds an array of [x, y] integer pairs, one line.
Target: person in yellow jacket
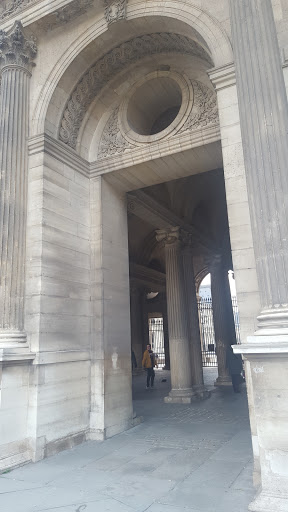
{"points": [[148, 362]]}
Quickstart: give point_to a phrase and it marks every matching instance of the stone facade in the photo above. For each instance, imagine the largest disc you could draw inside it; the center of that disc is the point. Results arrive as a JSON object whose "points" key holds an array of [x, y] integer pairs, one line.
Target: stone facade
{"points": [[103, 99]]}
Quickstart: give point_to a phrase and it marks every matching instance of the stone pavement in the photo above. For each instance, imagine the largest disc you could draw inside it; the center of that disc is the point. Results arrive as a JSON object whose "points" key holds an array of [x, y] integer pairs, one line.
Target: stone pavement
{"points": [[182, 458]]}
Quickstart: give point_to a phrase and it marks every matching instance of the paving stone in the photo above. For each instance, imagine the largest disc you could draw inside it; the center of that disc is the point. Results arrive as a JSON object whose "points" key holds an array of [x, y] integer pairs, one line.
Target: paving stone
{"points": [[194, 458]]}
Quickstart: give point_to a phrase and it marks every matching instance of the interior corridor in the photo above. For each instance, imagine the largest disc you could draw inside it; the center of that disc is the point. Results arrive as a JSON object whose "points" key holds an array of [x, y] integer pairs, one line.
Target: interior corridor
{"points": [[182, 458]]}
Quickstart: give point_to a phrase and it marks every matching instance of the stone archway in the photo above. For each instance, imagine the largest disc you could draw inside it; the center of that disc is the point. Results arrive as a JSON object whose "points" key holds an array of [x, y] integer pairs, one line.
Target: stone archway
{"points": [[77, 253], [195, 22]]}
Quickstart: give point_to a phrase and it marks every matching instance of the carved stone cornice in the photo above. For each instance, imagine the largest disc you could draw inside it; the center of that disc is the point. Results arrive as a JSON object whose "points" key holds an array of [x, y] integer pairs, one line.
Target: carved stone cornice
{"points": [[11, 8], [65, 14], [115, 10], [114, 61], [16, 49]]}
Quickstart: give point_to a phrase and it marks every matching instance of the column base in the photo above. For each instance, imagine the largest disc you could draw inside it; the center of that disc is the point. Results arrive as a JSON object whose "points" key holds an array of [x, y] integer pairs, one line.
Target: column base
{"points": [[269, 503], [13, 339], [223, 381], [201, 392], [180, 396]]}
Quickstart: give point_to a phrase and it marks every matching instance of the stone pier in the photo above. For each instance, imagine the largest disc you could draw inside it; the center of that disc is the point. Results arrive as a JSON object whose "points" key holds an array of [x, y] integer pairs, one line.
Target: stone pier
{"points": [[264, 124]]}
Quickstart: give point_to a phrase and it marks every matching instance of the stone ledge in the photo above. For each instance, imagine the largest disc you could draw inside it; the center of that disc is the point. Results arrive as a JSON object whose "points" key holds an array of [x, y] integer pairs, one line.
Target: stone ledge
{"points": [[268, 346], [61, 356], [15, 357]]}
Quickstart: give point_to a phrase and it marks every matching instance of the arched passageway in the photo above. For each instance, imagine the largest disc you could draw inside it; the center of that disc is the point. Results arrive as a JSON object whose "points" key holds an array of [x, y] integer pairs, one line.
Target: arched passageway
{"points": [[139, 100], [194, 213]]}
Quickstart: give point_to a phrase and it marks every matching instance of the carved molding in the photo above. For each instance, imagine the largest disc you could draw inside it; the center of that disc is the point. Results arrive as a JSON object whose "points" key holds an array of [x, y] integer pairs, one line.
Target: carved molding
{"points": [[204, 111], [11, 8], [114, 61], [112, 140], [16, 49], [115, 10], [65, 14]]}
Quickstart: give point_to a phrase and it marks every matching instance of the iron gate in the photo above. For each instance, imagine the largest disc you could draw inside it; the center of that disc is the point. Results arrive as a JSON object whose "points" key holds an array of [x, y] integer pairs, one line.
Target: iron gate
{"points": [[206, 325], [156, 339], [205, 311]]}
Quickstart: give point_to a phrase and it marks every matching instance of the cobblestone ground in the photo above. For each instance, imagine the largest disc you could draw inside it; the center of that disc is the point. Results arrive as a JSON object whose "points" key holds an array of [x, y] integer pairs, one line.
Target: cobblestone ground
{"points": [[182, 458]]}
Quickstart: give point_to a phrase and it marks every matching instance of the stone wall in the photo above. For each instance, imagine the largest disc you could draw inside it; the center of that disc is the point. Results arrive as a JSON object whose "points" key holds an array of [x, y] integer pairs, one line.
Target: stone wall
{"points": [[58, 301]]}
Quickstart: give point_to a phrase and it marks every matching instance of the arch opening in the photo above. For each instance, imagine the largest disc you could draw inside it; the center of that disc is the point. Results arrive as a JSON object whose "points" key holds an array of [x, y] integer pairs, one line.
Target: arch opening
{"points": [[154, 106]]}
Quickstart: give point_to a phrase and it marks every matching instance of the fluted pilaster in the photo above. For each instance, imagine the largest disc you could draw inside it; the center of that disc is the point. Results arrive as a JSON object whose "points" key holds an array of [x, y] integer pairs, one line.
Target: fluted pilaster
{"points": [[193, 319], [264, 124], [17, 53], [181, 376]]}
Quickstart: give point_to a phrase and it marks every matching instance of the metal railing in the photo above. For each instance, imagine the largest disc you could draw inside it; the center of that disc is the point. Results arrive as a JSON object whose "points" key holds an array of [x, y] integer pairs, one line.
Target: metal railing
{"points": [[206, 323], [205, 311], [156, 339], [236, 319]]}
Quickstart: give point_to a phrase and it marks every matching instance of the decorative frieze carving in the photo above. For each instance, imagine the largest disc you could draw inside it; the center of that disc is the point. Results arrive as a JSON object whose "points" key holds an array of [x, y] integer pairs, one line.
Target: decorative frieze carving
{"points": [[114, 61], [115, 10], [204, 111], [11, 8], [112, 141], [16, 48], [65, 14]]}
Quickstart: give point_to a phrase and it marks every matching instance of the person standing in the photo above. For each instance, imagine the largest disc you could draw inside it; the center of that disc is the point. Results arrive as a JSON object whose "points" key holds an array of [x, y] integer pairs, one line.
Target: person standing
{"points": [[149, 362]]}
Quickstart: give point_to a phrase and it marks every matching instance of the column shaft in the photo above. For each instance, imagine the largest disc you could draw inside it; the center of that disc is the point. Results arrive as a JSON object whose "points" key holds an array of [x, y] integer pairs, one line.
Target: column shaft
{"points": [[264, 125], [166, 337], [181, 376], [221, 329], [16, 54], [193, 324]]}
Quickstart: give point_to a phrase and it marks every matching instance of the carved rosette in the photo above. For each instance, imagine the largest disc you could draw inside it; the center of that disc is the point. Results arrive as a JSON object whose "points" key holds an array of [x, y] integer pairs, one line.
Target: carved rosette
{"points": [[16, 49]]}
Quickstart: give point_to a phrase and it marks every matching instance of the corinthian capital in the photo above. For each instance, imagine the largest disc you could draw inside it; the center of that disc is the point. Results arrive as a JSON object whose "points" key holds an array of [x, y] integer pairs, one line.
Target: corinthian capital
{"points": [[16, 49]]}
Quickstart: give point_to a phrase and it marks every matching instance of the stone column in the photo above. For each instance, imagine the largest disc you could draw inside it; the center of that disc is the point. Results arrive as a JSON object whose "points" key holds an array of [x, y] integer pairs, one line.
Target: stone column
{"points": [[166, 337], [193, 320], [136, 318], [264, 124], [221, 328], [16, 59], [181, 375]]}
